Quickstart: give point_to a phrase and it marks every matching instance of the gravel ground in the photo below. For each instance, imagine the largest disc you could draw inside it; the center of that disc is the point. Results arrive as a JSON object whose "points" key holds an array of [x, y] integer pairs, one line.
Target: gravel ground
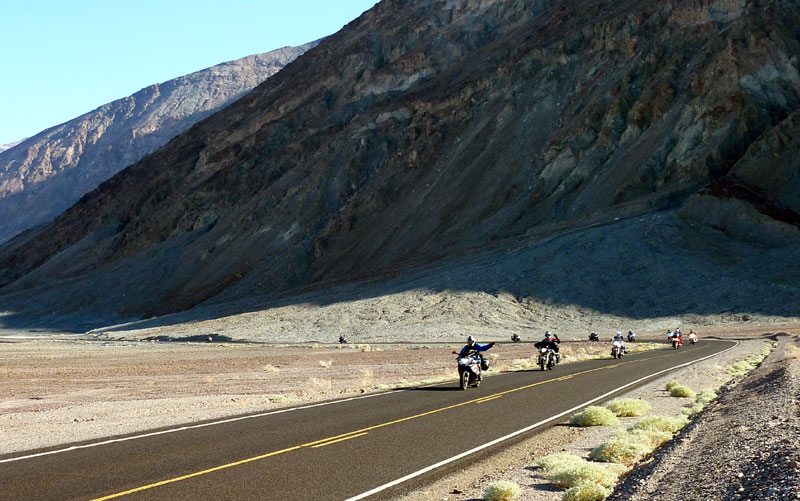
{"points": [[745, 446]]}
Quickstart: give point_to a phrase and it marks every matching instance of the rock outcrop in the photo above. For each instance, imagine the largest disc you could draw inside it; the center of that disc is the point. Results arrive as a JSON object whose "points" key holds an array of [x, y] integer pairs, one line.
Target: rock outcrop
{"points": [[426, 128], [45, 174]]}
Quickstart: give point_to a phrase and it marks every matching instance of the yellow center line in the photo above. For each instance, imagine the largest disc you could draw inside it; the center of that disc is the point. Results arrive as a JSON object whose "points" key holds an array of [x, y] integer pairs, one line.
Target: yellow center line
{"points": [[364, 431], [338, 440]]}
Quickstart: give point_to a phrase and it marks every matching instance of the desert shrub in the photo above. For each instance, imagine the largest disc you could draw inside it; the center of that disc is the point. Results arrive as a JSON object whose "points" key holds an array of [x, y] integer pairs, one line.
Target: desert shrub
{"points": [[739, 368], [661, 423], [325, 363], [628, 407], [317, 385], [707, 395], [682, 391], [270, 368], [704, 398], [502, 490], [601, 474], [587, 491], [594, 416], [622, 447], [650, 438], [559, 462], [671, 385]]}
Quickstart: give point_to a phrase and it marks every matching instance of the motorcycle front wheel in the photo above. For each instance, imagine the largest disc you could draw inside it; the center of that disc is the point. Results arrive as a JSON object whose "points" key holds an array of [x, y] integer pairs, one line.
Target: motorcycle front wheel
{"points": [[464, 380]]}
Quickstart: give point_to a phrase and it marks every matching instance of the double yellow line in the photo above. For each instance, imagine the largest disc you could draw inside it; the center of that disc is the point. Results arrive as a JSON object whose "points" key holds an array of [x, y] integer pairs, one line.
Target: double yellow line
{"points": [[360, 433]]}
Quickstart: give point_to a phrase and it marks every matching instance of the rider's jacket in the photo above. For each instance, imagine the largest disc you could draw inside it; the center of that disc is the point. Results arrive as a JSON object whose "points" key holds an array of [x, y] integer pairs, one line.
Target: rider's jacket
{"points": [[547, 343], [475, 347]]}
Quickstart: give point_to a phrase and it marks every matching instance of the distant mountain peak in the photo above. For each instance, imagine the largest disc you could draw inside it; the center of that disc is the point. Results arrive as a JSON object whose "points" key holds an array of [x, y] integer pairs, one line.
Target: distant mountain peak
{"points": [[45, 174]]}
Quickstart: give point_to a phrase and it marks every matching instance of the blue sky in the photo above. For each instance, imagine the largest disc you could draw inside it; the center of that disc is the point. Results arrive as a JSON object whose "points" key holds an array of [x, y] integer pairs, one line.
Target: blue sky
{"points": [[63, 58]]}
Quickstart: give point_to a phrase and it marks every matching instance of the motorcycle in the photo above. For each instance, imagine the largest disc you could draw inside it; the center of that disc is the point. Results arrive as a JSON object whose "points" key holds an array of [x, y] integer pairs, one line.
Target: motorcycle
{"points": [[617, 349], [515, 338], [470, 369], [676, 342], [594, 337], [631, 337], [692, 338], [546, 358]]}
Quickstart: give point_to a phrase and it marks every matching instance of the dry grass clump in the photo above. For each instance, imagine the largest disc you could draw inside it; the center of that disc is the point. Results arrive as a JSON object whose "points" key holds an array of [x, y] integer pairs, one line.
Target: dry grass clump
{"points": [[594, 416], [744, 366], [622, 447], [628, 407], [587, 491], [682, 391], [502, 490], [317, 385], [559, 461], [661, 423], [651, 438], [325, 363], [704, 398], [568, 471], [740, 368], [596, 473]]}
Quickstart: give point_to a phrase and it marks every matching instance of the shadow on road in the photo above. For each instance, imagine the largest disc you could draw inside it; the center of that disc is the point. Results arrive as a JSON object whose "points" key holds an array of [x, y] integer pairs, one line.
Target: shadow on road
{"points": [[438, 388]]}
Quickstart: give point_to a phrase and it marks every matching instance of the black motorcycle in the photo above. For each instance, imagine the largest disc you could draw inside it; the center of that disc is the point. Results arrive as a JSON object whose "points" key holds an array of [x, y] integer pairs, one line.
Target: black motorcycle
{"points": [[546, 358]]}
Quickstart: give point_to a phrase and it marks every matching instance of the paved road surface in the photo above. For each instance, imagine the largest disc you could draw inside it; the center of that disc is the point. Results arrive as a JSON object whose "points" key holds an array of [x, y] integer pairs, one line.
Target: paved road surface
{"points": [[337, 450]]}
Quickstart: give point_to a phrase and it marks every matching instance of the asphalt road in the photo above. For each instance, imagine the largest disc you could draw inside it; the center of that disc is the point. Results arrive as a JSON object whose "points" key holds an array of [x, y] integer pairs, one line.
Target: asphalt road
{"points": [[336, 450]]}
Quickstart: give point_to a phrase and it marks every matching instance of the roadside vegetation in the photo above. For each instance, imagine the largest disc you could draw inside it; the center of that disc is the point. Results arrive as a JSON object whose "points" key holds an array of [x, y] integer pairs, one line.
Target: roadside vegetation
{"points": [[592, 478], [503, 490]]}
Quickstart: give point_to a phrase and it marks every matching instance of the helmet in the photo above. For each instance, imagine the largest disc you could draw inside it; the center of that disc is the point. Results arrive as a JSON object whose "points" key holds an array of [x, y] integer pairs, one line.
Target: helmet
{"points": [[548, 334], [630, 332], [470, 340], [619, 333]]}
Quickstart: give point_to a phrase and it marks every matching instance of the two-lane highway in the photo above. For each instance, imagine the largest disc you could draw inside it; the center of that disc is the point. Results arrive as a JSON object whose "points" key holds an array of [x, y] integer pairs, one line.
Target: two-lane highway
{"points": [[374, 445]]}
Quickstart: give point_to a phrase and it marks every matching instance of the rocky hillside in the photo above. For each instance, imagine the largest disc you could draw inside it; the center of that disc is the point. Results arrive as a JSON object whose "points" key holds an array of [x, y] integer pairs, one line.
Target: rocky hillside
{"points": [[427, 128], [45, 174], [9, 146]]}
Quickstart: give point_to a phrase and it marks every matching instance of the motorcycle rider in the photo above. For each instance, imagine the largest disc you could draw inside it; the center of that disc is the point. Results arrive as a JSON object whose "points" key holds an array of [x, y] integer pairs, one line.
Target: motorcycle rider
{"points": [[550, 341], [631, 336], [476, 347], [593, 336], [618, 337]]}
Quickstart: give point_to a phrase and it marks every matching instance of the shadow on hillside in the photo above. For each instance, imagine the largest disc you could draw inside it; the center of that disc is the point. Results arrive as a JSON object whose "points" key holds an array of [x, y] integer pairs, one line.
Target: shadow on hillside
{"points": [[641, 268]]}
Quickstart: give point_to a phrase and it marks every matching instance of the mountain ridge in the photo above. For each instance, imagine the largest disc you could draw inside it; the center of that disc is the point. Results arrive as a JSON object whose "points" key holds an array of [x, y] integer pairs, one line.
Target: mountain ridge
{"points": [[466, 123], [43, 175]]}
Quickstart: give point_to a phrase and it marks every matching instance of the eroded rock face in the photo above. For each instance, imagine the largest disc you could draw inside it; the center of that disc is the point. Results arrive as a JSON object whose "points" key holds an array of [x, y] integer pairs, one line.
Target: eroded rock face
{"points": [[428, 127], [43, 175]]}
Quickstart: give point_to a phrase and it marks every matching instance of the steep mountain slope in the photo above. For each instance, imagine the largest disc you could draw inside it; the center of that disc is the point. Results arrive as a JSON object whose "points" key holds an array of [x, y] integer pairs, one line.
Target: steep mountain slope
{"points": [[428, 127], [9, 145], [49, 172]]}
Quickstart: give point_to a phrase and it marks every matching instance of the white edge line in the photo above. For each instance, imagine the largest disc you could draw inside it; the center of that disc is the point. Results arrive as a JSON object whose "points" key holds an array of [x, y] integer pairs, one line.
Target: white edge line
{"points": [[523, 430], [194, 426], [251, 416]]}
